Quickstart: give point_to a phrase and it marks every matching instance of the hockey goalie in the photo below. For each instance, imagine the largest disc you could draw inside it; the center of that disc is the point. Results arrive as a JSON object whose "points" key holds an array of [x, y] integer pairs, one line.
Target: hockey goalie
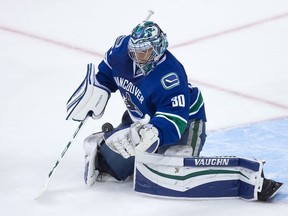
{"points": [[162, 132]]}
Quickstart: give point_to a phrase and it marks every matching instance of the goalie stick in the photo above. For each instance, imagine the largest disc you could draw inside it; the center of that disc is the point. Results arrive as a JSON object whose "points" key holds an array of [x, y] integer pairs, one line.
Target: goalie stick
{"points": [[106, 127], [61, 156]]}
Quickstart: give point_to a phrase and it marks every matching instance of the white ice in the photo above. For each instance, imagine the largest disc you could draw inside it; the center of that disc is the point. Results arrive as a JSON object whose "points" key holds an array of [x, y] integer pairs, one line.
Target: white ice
{"points": [[235, 51]]}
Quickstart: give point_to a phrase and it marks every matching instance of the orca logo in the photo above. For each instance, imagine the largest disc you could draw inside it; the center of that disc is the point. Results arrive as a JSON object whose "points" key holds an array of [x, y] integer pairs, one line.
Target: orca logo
{"points": [[130, 105]]}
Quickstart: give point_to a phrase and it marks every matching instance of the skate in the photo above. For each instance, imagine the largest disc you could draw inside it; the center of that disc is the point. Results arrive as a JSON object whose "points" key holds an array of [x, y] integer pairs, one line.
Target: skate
{"points": [[269, 189]]}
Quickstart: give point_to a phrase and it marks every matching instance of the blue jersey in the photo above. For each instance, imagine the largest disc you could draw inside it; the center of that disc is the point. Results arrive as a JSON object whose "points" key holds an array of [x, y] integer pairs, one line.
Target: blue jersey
{"points": [[164, 94]]}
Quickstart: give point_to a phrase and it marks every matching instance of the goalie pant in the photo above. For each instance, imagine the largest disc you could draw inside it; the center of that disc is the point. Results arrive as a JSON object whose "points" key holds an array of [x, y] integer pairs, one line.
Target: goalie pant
{"points": [[198, 177]]}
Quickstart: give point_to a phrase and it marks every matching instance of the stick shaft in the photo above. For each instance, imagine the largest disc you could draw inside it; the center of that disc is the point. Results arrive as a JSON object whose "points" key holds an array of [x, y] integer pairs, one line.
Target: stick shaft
{"points": [[62, 155]]}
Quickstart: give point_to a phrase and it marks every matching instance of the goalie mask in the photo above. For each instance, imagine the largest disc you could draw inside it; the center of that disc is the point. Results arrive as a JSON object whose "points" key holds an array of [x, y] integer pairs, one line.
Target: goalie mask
{"points": [[146, 45]]}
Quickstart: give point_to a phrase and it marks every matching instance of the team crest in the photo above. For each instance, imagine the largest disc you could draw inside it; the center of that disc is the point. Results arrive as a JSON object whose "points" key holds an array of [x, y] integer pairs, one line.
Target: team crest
{"points": [[130, 105], [170, 80]]}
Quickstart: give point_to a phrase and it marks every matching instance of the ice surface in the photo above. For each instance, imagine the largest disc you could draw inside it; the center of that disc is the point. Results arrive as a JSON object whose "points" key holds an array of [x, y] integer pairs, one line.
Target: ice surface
{"points": [[45, 46]]}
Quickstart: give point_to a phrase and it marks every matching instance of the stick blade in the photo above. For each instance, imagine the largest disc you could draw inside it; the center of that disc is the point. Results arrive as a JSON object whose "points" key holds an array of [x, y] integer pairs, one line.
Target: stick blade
{"points": [[43, 190]]}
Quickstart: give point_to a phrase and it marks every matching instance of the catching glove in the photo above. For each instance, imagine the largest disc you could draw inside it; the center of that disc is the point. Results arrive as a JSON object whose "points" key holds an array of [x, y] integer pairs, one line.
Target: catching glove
{"points": [[138, 138]]}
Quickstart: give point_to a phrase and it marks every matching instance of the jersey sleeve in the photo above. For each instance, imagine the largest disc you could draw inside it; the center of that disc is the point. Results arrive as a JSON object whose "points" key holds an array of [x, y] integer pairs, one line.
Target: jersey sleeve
{"points": [[104, 76], [197, 107], [105, 68], [172, 113]]}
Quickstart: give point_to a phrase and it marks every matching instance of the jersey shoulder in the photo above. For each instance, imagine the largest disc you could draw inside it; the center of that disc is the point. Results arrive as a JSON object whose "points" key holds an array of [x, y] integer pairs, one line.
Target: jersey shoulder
{"points": [[170, 73], [120, 45], [118, 53]]}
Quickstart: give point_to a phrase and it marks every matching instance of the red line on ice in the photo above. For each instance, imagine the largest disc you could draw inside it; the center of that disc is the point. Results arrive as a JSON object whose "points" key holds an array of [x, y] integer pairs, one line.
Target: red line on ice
{"points": [[236, 93], [229, 31], [187, 43], [51, 41]]}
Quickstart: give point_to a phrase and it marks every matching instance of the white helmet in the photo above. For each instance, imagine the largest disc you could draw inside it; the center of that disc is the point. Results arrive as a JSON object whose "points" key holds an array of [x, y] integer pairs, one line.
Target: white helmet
{"points": [[149, 40]]}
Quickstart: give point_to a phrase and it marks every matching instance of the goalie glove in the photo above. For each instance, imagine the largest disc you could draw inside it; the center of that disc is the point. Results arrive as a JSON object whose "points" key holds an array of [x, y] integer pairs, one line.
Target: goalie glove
{"points": [[88, 98], [146, 139], [138, 138], [119, 142]]}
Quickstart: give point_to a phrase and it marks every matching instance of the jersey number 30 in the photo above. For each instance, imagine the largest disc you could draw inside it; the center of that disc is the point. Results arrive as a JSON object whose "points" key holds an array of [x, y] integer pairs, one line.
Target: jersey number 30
{"points": [[178, 101]]}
